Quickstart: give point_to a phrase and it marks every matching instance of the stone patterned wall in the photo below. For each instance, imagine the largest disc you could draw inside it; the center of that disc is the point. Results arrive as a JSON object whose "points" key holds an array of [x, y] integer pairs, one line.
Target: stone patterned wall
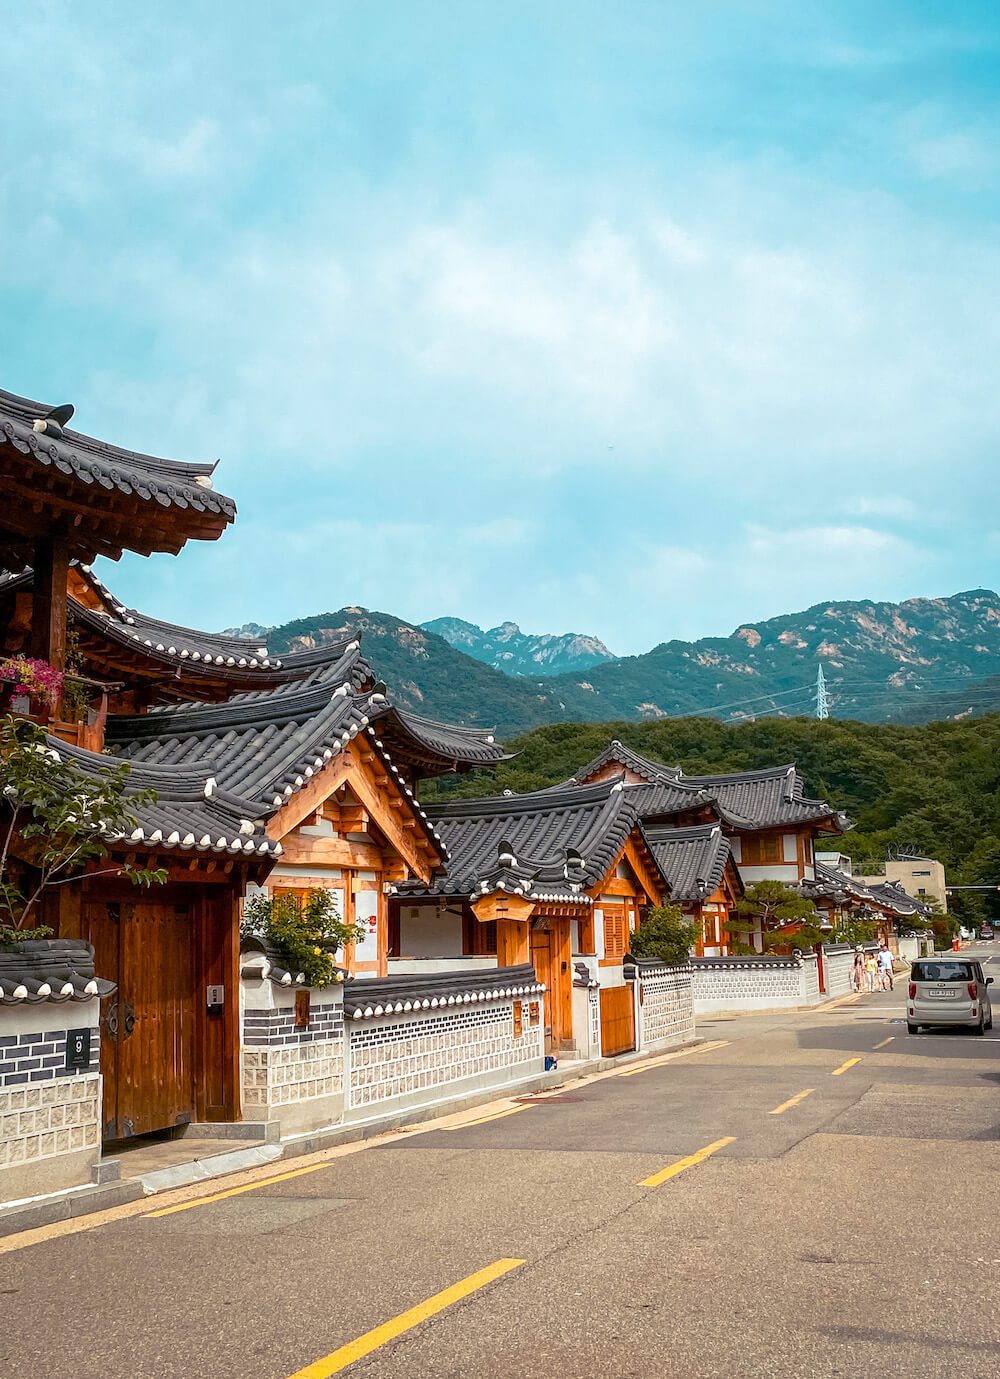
{"points": [[666, 1012], [294, 1076], [733, 984], [56, 1117], [423, 1058], [50, 1116]]}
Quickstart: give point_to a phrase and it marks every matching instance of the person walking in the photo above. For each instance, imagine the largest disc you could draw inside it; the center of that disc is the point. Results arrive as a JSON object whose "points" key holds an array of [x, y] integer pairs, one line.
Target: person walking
{"points": [[885, 967], [871, 970], [858, 971]]}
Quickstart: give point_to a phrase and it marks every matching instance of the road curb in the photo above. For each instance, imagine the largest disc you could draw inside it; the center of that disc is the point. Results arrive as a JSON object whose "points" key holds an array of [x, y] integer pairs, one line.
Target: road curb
{"points": [[88, 1199]]}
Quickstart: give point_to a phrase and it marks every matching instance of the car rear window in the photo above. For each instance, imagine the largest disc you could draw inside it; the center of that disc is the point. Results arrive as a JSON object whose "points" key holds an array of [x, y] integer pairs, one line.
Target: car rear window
{"points": [[942, 972]]}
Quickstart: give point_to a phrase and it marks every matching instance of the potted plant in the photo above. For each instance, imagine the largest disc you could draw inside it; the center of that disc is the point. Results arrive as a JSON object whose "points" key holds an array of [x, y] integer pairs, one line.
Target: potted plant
{"points": [[33, 681]]}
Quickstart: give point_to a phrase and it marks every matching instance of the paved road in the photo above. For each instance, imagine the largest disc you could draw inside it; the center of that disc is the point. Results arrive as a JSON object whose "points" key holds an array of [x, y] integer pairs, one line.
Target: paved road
{"points": [[851, 1233]]}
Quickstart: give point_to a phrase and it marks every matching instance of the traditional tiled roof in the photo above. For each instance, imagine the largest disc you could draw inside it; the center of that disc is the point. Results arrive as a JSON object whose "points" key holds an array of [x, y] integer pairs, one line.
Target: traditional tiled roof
{"points": [[266, 746], [192, 813], [367, 1000], [416, 737], [50, 970], [892, 895], [747, 800], [548, 844], [692, 859], [36, 450]]}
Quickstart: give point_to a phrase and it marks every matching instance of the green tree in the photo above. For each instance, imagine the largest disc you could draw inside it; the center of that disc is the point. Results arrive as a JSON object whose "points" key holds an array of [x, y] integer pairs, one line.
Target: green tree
{"points": [[664, 935], [773, 905], [61, 817]]}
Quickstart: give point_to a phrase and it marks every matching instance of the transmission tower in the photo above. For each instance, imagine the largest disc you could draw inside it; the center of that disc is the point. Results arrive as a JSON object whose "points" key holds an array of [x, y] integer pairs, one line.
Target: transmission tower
{"points": [[822, 703]]}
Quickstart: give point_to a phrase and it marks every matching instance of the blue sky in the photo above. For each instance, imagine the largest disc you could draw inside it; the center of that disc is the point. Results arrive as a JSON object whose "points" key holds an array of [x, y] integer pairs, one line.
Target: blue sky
{"points": [[635, 319]]}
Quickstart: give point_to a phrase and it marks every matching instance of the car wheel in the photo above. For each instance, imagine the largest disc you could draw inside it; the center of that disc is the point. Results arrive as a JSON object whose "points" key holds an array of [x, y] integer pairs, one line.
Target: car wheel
{"points": [[981, 1027], [911, 1028]]}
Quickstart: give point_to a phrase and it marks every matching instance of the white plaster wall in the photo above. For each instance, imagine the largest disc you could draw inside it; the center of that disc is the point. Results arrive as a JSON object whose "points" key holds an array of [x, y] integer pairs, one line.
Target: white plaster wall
{"points": [[414, 966], [838, 973], [430, 935]]}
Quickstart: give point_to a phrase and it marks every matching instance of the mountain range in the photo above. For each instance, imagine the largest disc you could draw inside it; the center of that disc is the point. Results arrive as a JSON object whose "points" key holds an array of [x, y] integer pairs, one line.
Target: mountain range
{"points": [[509, 649], [883, 662]]}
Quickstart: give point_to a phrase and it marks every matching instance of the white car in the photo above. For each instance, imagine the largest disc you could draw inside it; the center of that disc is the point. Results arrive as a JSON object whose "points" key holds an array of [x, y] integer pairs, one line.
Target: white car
{"points": [[948, 991]]}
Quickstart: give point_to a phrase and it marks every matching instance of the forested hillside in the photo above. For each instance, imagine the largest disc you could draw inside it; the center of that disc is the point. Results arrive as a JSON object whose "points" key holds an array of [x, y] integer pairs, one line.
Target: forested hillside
{"points": [[884, 662], [934, 787]]}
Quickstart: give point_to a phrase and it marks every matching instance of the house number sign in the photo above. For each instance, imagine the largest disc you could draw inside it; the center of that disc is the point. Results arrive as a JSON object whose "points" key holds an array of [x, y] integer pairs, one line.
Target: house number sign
{"points": [[77, 1049]]}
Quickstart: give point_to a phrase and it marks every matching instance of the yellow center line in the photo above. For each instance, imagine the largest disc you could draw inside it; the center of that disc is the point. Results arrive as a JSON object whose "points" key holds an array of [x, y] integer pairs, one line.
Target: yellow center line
{"points": [[844, 1067], [484, 1120], [669, 1058], [234, 1191], [672, 1170], [346, 1355], [885, 1041], [792, 1101]]}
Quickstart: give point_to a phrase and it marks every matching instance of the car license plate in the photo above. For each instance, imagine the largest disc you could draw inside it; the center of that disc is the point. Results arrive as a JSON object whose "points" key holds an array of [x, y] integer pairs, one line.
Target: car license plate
{"points": [[942, 992]]}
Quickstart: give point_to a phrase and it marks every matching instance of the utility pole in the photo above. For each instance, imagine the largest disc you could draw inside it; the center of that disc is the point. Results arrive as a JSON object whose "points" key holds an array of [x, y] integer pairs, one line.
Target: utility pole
{"points": [[822, 704]]}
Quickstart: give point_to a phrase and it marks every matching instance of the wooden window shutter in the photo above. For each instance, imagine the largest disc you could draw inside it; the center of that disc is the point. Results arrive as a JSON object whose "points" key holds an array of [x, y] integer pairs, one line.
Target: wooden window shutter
{"points": [[615, 935]]}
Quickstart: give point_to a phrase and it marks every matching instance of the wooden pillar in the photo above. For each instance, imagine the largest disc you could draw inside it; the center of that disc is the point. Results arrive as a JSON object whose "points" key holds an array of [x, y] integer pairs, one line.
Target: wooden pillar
{"points": [[49, 601]]}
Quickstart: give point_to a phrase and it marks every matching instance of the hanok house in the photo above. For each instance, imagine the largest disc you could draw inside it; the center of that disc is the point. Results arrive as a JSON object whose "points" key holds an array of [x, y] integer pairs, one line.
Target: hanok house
{"points": [[558, 878], [333, 764], [704, 881], [770, 822], [170, 1045]]}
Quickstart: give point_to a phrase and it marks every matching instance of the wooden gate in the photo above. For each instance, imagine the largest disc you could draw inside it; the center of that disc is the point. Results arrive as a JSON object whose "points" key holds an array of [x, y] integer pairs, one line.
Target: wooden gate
{"points": [[617, 1020], [541, 961], [148, 1029]]}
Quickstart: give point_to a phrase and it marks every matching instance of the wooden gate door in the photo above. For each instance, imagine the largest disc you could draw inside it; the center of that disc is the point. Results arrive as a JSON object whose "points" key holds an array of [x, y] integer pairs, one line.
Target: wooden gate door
{"points": [[148, 1031], [541, 961], [617, 1020]]}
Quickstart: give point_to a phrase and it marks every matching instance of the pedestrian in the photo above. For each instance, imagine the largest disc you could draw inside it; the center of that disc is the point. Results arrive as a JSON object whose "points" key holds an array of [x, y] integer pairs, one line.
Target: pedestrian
{"points": [[871, 970], [858, 971], [885, 967]]}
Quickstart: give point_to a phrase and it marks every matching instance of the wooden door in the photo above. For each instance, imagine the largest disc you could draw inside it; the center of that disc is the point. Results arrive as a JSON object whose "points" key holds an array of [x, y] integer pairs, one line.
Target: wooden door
{"points": [[541, 961], [617, 1020], [149, 1028]]}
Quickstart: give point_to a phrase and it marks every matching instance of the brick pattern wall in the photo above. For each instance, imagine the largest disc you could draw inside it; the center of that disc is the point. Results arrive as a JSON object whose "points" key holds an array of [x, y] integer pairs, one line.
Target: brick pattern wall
{"points": [[283, 1065], [409, 1055], [728, 984], [44, 1120], [276, 1028], [41, 1057], [594, 1014], [667, 1010]]}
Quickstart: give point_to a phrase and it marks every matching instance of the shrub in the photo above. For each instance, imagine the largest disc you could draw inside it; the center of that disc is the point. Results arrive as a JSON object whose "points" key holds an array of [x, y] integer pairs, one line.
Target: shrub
{"points": [[306, 932], [664, 935]]}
